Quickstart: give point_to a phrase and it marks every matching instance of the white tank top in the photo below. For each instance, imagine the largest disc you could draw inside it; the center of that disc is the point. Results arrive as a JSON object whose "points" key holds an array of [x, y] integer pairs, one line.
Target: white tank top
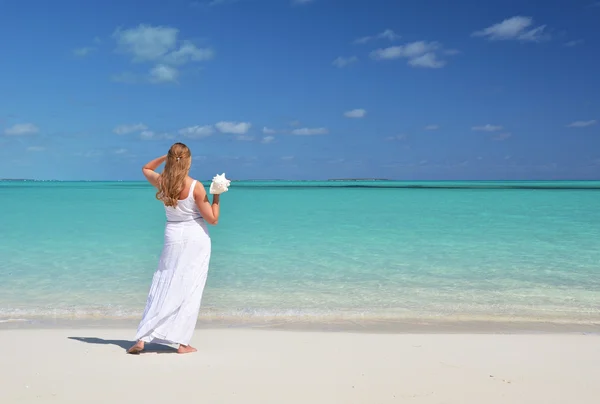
{"points": [[185, 210]]}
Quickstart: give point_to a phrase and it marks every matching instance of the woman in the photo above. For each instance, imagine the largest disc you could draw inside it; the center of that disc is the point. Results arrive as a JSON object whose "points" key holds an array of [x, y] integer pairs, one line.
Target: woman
{"points": [[174, 299]]}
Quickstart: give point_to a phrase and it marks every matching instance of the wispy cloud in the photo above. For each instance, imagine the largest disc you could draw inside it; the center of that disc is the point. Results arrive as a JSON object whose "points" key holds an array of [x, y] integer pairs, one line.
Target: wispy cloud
{"points": [[287, 158], [397, 137], [432, 127], [120, 151], [310, 131], [427, 60], [502, 136], [344, 61], [236, 128], [410, 50], [355, 113], [129, 128], [163, 74], [268, 131], [21, 129], [451, 52], [188, 52], [419, 54], [574, 43], [145, 42], [267, 139], [582, 124], [517, 28], [197, 132], [387, 34], [487, 128], [151, 135], [301, 2]]}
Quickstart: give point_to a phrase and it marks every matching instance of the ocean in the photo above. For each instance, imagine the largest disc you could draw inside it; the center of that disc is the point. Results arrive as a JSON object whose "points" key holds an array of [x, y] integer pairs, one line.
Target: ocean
{"points": [[372, 252]]}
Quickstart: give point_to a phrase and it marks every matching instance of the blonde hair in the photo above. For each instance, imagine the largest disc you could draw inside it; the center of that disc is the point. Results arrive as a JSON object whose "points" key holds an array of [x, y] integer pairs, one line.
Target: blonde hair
{"points": [[172, 179]]}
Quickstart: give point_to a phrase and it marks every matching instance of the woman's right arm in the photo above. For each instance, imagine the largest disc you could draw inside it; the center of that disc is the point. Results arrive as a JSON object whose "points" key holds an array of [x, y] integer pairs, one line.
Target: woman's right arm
{"points": [[148, 170], [210, 212]]}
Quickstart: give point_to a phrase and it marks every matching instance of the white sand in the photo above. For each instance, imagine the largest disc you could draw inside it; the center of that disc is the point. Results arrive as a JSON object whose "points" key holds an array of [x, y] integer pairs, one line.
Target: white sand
{"points": [[256, 366]]}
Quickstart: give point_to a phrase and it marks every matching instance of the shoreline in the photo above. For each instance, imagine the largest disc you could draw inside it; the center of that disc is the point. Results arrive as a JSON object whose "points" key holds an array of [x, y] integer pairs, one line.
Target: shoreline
{"points": [[404, 326]]}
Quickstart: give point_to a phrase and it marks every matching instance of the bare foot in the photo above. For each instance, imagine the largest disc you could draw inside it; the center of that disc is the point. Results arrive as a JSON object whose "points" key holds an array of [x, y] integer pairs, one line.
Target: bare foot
{"points": [[137, 348], [186, 349]]}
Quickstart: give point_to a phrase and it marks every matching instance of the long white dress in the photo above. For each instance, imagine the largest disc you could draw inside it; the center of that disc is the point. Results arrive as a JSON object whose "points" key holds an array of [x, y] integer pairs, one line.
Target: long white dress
{"points": [[175, 295]]}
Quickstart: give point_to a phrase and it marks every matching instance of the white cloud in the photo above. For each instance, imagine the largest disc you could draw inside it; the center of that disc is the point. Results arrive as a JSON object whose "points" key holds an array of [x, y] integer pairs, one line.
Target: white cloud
{"points": [[36, 148], [576, 42], [268, 139], [196, 132], [120, 151], [81, 52], [310, 131], [268, 131], [125, 129], [236, 128], [145, 42], [419, 54], [432, 127], [410, 50], [429, 60], [355, 113], [487, 128], [582, 124], [21, 129], [343, 61], [163, 74], [515, 28], [188, 52], [387, 34]]}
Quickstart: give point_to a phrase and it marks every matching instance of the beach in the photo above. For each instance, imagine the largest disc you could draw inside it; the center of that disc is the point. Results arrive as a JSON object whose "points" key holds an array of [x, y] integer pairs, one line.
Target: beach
{"points": [[63, 365]]}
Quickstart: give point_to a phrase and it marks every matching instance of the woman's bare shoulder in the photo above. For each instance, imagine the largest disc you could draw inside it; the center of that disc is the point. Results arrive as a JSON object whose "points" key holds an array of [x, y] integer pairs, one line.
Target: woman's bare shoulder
{"points": [[199, 185]]}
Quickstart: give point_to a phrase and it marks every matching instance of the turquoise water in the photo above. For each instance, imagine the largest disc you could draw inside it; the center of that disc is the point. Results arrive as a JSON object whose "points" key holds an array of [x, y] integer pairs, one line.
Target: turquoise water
{"points": [[317, 251]]}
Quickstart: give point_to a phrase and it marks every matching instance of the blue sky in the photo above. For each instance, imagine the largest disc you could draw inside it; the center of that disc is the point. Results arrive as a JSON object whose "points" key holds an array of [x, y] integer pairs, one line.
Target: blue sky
{"points": [[415, 89]]}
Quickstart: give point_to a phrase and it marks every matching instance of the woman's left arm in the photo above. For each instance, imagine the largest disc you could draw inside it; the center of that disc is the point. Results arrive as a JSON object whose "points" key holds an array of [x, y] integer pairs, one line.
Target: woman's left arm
{"points": [[148, 170]]}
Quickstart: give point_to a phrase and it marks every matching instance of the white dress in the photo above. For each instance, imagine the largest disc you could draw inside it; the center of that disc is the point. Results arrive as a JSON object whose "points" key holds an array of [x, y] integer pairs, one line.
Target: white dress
{"points": [[174, 299]]}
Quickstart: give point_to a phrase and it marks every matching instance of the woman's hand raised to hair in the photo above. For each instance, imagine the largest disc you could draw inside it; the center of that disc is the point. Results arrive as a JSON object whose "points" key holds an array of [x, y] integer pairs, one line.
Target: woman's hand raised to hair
{"points": [[148, 169]]}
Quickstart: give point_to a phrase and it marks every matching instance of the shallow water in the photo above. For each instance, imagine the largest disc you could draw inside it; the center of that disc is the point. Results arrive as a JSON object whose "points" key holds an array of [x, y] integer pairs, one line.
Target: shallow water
{"points": [[313, 251]]}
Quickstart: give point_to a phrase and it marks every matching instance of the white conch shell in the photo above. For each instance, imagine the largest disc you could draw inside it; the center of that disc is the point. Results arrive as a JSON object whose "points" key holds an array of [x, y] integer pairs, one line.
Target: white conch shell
{"points": [[219, 184]]}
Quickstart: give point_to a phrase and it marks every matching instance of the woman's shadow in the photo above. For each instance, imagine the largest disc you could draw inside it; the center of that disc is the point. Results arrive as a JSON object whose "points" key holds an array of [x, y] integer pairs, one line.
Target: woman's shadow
{"points": [[149, 348]]}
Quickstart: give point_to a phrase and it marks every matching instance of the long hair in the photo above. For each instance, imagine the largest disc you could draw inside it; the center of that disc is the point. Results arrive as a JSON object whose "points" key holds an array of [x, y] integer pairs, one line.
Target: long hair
{"points": [[172, 179]]}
